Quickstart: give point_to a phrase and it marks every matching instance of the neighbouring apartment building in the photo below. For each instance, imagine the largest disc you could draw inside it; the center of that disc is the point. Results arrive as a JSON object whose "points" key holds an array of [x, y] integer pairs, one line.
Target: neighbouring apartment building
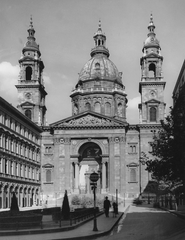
{"points": [[19, 157]]}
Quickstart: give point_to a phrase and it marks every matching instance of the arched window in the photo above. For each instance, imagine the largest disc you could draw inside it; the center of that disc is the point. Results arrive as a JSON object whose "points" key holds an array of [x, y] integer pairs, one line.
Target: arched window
{"points": [[120, 111], [87, 106], [97, 107], [75, 109], [153, 114], [28, 113], [48, 175], [107, 109], [132, 174], [152, 70], [28, 73]]}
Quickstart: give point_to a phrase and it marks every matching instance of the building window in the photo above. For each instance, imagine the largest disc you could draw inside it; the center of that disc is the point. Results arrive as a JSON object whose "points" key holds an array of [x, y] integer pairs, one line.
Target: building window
{"points": [[153, 113], [6, 167], [11, 168], [152, 70], [97, 107], [87, 106], [0, 165], [48, 169], [48, 149], [120, 112], [48, 175], [132, 174], [132, 149], [132, 169], [150, 148], [28, 73], [107, 109], [75, 109]]}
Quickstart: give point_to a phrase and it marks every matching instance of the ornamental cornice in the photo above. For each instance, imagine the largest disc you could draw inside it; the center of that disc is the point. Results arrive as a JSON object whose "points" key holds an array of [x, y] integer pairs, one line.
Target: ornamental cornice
{"points": [[89, 121], [149, 126], [87, 127]]}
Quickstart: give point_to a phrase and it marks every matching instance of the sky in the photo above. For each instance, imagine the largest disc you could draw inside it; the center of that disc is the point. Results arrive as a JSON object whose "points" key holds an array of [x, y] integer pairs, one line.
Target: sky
{"points": [[64, 32]]}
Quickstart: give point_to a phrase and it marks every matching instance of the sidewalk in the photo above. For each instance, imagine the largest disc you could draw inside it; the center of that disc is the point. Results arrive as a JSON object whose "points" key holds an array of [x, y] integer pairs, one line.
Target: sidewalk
{"points": [[84, 231], [180, 214]]}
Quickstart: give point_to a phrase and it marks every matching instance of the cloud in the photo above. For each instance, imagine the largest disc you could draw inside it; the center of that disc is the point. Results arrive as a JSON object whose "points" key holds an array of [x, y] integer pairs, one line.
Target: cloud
{"points": [[133, 103], [8, 80], [47, 79]]}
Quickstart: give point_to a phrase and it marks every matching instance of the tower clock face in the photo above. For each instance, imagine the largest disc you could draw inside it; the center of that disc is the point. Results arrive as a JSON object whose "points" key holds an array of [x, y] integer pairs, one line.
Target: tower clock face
{"points": [[28, 95]]}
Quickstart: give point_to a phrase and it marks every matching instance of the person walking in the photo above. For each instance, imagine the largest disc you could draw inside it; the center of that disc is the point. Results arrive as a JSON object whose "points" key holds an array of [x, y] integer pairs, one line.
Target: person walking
{"points": [[107, 205], [115, 209]]}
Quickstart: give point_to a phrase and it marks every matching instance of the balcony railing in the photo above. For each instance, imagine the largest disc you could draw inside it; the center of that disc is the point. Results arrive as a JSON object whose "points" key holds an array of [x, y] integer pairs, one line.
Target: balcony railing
{"points": [[98, 89]]}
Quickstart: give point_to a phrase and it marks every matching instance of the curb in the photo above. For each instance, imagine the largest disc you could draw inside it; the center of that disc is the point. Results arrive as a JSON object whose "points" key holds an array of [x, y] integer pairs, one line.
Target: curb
{"points": [[68, 228], [96, 235], [41, 231], [175, 213]]}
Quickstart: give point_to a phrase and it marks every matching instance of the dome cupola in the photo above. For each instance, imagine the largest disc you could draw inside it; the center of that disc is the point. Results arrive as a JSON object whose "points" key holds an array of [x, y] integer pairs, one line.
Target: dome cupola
{"points": [[31, 45], [151, 40], [100, 40], [100, 88], [100, 66]]}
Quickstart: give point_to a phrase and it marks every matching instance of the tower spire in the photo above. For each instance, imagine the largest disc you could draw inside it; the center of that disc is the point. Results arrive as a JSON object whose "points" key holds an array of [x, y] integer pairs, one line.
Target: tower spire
{"points": [[151, 25], [30, 83], [31, 30], [151, 87]]}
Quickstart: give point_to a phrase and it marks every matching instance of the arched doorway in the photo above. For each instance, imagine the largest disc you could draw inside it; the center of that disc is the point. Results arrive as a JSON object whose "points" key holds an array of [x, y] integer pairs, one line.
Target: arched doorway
{"points": [[90, 160]]}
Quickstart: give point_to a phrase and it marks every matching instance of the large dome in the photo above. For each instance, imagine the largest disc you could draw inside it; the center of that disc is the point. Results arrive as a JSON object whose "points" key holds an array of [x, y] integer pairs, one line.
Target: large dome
{"points": [[99, 66]]}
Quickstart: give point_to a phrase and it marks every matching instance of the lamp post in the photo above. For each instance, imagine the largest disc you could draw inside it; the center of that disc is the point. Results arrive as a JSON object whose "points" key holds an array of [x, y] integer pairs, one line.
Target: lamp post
{"points": [[94, 178]]}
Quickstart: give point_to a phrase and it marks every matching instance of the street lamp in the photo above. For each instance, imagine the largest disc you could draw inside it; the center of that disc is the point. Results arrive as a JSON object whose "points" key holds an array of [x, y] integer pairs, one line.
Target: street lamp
{"points": [[94, 178]]}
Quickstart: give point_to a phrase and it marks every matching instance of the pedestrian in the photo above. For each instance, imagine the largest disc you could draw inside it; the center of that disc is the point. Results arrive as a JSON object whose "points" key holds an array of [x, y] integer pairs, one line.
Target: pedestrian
{"points": [[115, 209], [106, 205]]}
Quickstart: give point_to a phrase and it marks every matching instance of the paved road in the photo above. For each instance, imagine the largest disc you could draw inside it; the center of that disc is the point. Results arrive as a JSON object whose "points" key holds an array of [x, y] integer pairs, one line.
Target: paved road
{"points": [[145, 223]]}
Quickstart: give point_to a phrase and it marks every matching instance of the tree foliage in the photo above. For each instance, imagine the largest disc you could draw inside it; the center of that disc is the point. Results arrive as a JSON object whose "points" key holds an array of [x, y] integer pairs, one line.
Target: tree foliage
{"points": [[14, 204], [65, 207], [168, 149]]}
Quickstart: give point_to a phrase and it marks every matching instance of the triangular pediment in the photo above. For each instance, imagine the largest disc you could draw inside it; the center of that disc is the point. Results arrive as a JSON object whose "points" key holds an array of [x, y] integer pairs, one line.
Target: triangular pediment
{"points": [[152, 101], [27, 104], [88, 119], [47, 165]]}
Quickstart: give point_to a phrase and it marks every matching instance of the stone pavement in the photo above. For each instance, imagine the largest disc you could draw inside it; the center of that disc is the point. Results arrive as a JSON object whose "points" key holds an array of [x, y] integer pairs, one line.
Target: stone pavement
{"points": [[84, 231]]}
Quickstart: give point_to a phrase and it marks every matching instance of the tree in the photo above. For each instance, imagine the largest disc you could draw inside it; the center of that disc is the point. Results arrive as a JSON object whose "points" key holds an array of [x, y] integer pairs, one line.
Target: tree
{"points": [[14, 204], [65, 207], [168, 162]]}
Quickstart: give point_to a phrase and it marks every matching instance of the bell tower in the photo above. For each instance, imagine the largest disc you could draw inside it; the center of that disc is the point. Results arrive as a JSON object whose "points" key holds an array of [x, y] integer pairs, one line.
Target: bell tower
{"points": [[151, 86], [30, 87]]}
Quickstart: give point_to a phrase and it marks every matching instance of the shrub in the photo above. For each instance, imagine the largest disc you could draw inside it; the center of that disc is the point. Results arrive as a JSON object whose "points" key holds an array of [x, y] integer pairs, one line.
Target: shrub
{"points": [[137, 201], [156, 205], [75, 200]]}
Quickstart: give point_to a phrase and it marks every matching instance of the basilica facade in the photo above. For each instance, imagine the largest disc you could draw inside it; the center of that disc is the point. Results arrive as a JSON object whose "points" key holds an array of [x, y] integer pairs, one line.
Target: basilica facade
{"points": [[96, 137]]}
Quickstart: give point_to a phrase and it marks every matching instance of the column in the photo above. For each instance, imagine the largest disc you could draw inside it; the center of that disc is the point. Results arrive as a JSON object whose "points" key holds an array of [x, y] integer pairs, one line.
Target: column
{"points": [[103, 177], [111, 170], [3, 197], [76, 178], [123, 166], [8, 197], [67, 146], [21, 202]]}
